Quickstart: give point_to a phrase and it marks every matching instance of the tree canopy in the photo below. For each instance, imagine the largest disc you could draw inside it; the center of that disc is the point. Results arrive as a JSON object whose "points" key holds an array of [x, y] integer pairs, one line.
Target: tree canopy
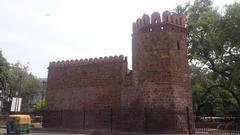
{"points": [[214, 56], [4, 67], [16, 81]]}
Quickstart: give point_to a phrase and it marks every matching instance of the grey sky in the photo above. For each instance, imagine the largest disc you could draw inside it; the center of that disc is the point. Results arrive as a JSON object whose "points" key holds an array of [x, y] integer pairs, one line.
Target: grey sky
{"points": [[39, 31]]}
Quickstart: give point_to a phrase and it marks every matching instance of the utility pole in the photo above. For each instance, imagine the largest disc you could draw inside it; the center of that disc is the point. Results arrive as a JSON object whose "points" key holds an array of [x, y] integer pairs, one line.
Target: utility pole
{"points": [[43, 90], [43, 95]]}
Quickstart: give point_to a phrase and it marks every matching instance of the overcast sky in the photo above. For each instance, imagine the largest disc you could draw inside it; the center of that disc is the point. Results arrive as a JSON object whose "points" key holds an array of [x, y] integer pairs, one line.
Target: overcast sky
{"points": [[39, 31]]}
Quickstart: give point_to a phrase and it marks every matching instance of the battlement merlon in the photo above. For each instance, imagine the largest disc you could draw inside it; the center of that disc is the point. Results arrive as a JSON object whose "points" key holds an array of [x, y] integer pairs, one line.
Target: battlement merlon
{"points": [[67, 63], [157, 20]]}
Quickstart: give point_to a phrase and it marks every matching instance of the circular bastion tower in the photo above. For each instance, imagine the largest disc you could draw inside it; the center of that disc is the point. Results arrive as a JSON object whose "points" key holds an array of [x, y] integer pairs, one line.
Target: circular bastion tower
{"points": [[161, 72]]}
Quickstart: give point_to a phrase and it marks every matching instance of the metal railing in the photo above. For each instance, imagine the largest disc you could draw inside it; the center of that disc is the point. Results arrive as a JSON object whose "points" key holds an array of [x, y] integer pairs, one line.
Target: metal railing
{"points": [[218, 125], [141, 120], [127, 119]]}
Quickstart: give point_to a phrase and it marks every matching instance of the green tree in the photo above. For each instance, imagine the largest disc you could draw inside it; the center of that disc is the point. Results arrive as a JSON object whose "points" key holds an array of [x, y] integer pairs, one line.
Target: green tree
{"points": [[15, 80], [208, 99], [24, 85], [4, 69], [39, 106], [214, 44]]}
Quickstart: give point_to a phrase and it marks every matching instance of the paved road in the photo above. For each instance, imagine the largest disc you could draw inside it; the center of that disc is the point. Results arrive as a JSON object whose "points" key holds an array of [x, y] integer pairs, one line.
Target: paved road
{"points": [[3, 132]]}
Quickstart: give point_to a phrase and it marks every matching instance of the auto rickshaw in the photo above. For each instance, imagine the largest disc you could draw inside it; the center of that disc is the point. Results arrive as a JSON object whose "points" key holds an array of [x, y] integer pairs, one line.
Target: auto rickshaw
{"points": [[18, 123]]}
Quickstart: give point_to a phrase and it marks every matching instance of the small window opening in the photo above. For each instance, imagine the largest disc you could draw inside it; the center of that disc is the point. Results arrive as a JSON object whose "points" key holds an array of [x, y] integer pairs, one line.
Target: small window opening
{"points": [[167, 18], [144, 22], [171, 20], [172, 28], [178, 45], [176, 21], [180, 21], [155, 20]]}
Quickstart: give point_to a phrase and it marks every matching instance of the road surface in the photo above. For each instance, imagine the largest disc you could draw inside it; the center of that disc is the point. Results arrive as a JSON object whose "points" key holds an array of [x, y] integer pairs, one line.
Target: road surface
{"points": [[3, 132]]}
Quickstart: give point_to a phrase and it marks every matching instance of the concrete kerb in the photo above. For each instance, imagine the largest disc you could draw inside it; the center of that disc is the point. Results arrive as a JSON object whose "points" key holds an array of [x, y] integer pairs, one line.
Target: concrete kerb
{"points": [[59, 130], [89, 131]]}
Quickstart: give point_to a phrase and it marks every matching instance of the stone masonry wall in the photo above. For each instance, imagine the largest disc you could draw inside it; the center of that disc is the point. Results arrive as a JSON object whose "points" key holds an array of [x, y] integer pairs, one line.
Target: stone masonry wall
{"points": [[102, 93], [86, 85], [161, 73]]}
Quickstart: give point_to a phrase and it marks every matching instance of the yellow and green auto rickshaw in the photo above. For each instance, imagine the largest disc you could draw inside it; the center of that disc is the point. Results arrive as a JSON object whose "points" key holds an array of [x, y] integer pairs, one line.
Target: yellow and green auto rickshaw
{"points": [[18, 124]]}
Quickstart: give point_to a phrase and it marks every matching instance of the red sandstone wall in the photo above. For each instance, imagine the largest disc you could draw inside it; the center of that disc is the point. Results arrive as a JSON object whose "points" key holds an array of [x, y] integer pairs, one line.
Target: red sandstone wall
{"points": [[151, 98], [160, 70], [132, 111], [88, 85]]}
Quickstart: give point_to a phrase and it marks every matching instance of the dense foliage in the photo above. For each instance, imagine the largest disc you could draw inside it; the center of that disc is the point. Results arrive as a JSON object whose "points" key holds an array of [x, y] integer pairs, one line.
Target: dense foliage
{"points": [[39, 106], [214, 56], [16, 81], [4, 66]]}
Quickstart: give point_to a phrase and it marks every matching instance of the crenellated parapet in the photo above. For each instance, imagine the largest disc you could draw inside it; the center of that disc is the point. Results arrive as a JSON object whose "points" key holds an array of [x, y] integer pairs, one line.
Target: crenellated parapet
{"points": [[67, 63], [158, 22]]}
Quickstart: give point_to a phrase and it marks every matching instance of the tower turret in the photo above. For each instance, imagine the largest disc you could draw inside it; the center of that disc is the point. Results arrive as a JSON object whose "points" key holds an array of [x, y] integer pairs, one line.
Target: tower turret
{"points": [[161, 72]]}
